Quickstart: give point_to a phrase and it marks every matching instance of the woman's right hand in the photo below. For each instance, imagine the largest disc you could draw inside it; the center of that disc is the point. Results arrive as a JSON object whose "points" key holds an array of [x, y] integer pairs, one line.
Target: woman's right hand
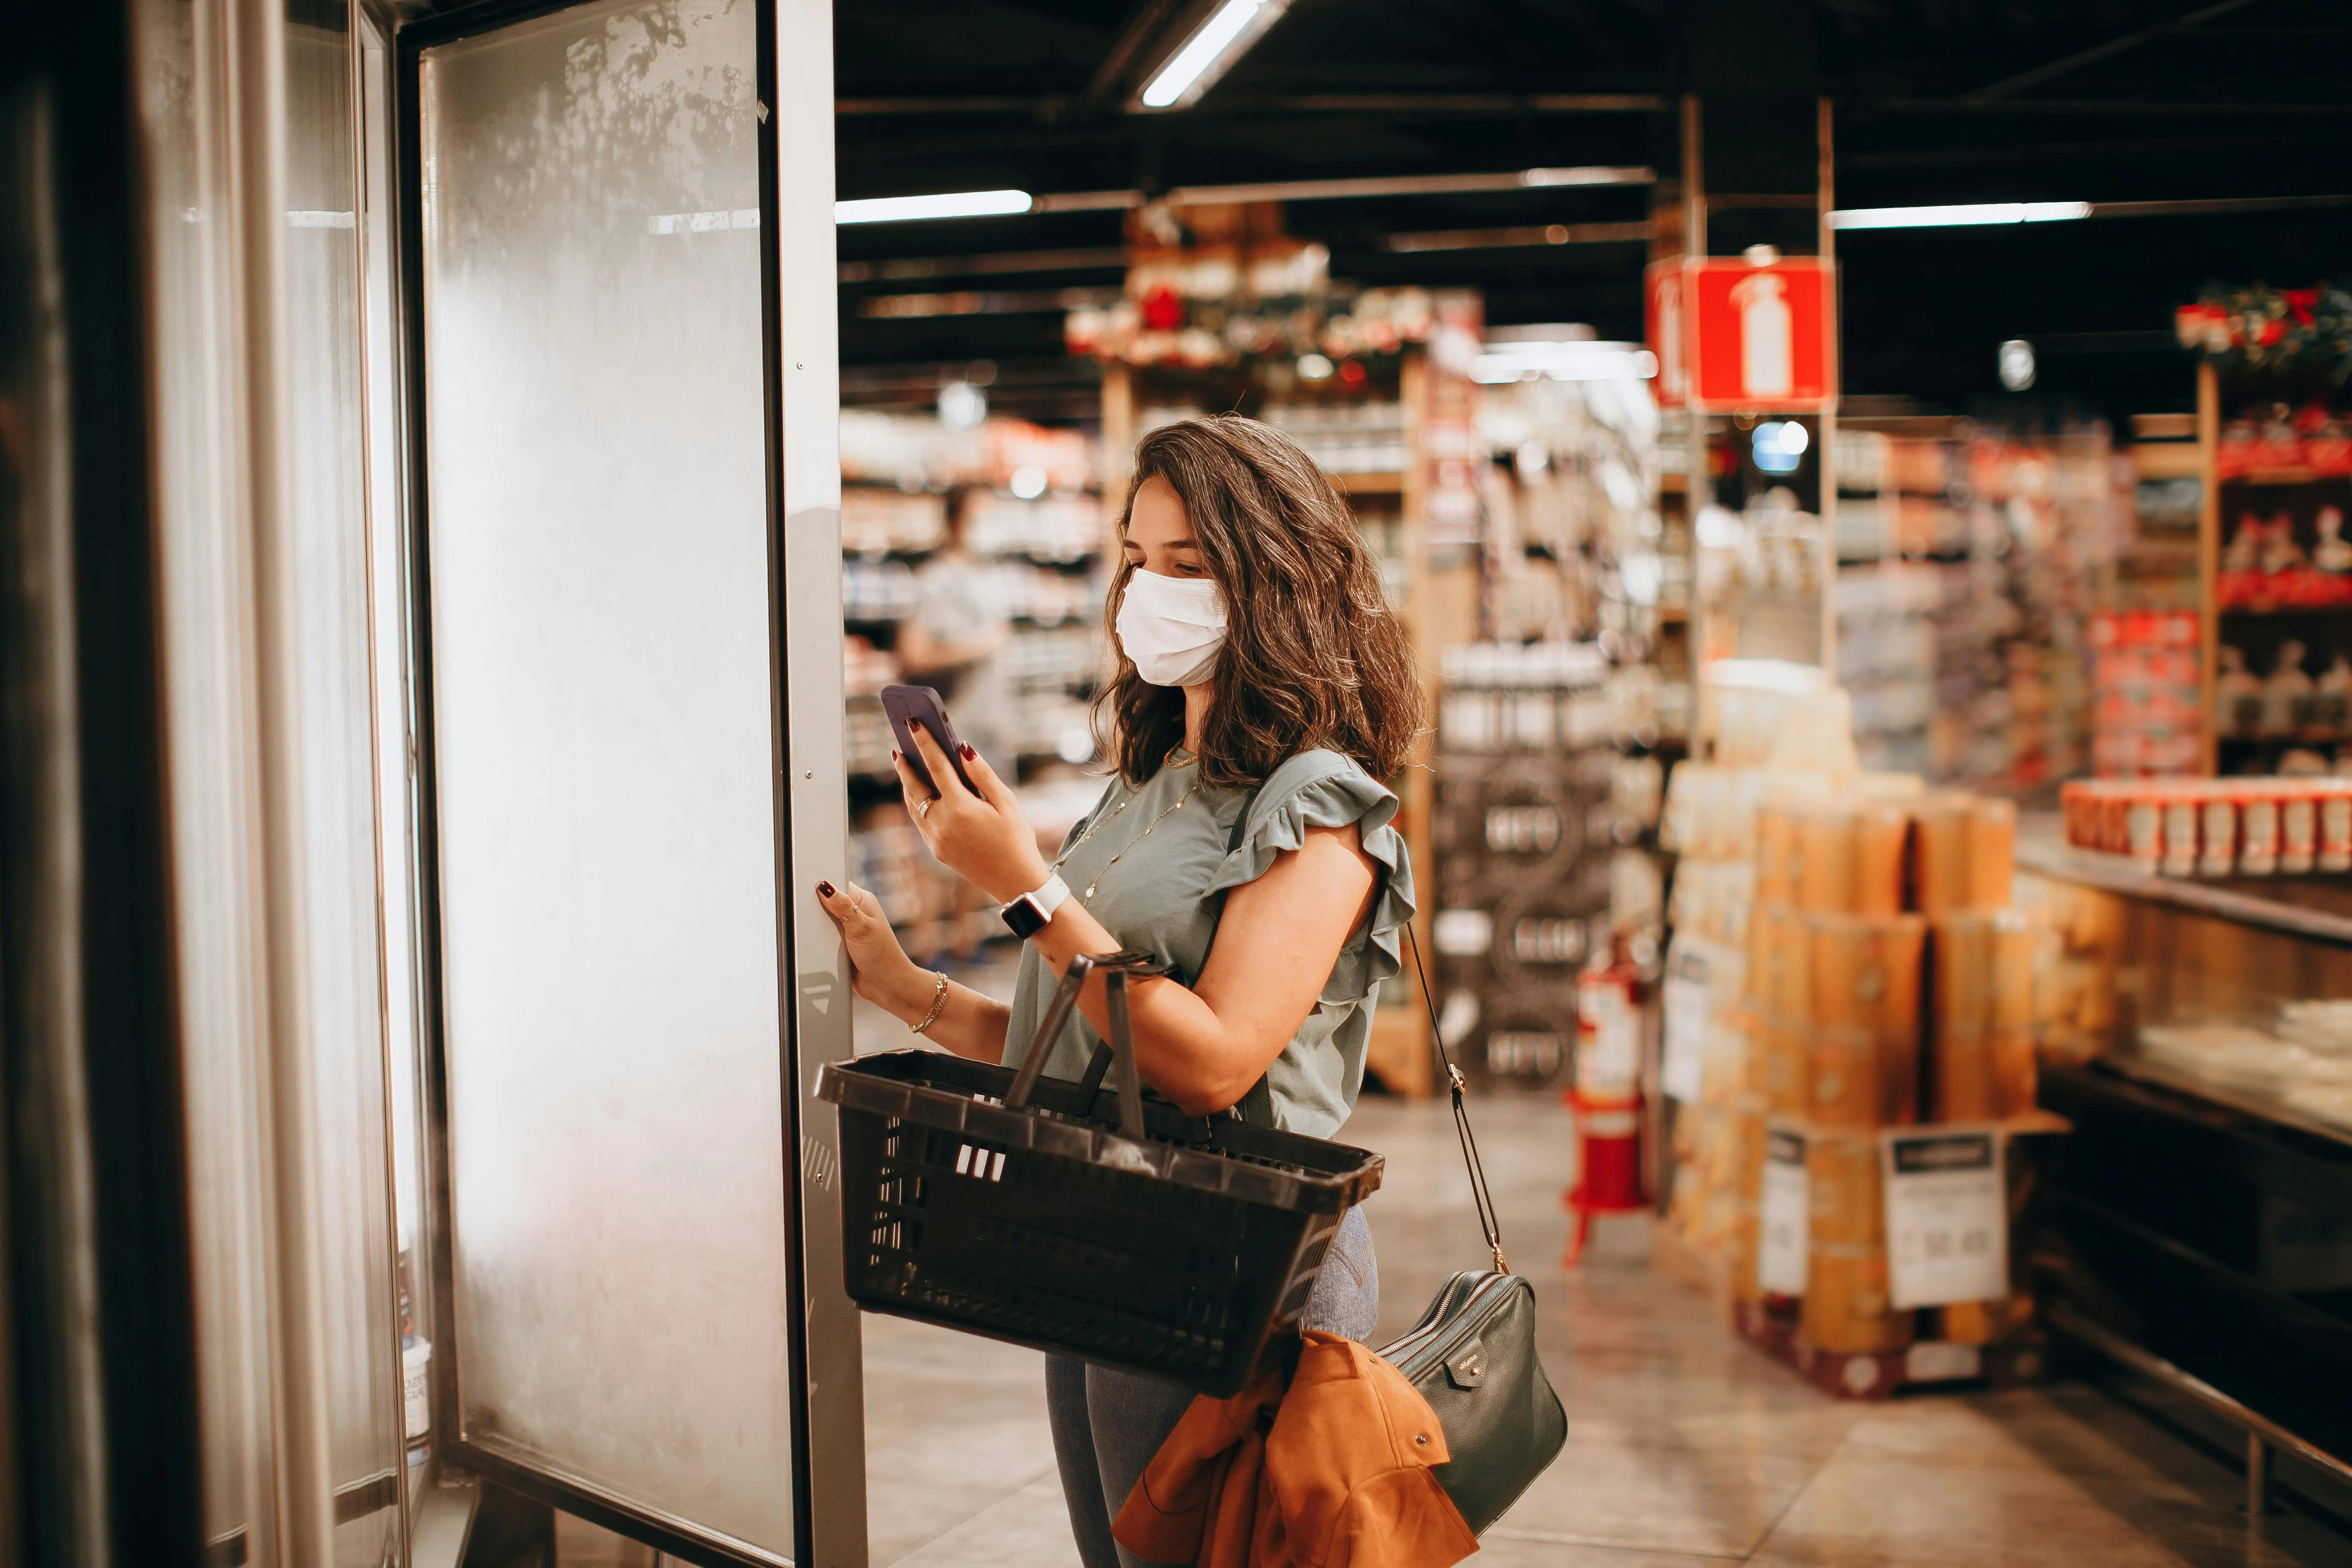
{"points": [[879, 969]]}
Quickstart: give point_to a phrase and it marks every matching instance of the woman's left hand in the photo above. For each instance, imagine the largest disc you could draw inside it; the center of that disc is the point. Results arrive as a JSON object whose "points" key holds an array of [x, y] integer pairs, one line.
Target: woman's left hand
{"points": [[983, 838]]}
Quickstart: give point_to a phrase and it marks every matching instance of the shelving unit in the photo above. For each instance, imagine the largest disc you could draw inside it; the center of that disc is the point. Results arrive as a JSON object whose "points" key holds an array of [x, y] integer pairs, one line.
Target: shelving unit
{"points": [[1970, 564], [2274, 575], [2204, 1208], [1043, 571]]}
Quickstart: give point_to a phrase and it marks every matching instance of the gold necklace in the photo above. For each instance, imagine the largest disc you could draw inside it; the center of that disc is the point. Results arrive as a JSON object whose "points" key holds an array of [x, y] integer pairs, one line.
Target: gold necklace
{"points": [[1088, 895]]}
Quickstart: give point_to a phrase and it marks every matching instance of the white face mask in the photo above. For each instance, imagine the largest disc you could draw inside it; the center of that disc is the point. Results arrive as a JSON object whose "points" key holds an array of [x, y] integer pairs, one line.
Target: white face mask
{"points": [[1172, 627]]}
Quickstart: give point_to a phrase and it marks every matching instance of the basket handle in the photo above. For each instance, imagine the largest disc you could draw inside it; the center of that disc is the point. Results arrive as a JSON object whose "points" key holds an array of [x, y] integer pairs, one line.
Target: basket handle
{"points": [[1115, 967]]}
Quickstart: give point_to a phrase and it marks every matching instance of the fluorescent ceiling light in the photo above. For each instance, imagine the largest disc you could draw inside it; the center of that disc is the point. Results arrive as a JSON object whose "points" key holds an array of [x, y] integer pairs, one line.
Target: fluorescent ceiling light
{"points": [[1208, 54], [952, 203], [1954, 216]]}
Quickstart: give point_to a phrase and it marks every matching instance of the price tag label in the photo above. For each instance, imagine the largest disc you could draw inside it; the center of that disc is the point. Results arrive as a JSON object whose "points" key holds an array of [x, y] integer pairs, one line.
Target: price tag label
{"points": [[1947, 1218], [1786, 1222], [1688, 1004]]}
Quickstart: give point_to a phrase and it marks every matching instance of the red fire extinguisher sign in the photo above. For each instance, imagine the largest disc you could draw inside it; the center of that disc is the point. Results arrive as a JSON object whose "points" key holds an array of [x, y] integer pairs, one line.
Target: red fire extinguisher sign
{"points": [[1731, 336]]}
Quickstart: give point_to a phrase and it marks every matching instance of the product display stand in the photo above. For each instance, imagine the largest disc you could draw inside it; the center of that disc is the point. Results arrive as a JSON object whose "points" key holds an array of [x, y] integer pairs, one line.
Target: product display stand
{"points": [[2205, 1209]]}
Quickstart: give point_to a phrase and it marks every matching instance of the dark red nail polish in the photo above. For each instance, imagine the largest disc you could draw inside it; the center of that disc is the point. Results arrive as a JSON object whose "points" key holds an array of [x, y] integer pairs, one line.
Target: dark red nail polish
{"points": [[825, 889], [970, 755]]}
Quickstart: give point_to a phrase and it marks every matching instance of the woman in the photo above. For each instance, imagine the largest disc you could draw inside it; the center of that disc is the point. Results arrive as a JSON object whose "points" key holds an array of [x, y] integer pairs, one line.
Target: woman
{"points": [[1262, 684]]}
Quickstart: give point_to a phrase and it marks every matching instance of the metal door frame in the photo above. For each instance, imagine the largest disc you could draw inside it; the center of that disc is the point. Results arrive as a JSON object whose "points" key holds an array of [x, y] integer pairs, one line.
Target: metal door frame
{"points": [[795, 54]]}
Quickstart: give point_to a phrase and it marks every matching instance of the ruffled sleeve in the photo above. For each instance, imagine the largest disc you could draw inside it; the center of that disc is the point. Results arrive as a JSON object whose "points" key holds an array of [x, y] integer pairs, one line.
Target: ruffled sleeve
{"points": [[1325, 789]]}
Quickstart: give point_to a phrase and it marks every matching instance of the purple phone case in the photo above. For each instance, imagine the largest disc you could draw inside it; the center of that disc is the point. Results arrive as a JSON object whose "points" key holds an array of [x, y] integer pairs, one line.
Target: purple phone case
{"points": [[906, 706]]}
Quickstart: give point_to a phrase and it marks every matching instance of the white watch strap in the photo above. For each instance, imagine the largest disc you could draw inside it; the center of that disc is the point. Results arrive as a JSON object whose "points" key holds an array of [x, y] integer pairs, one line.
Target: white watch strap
{"points": [[1050, 897]]}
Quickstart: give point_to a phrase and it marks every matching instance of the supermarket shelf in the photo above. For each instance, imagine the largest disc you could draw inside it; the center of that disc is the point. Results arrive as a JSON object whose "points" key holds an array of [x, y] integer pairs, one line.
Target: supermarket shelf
{"points": [[2259, 477], [2225, 897], [2271, 609], [2251, 1101], [2261, 1431]]}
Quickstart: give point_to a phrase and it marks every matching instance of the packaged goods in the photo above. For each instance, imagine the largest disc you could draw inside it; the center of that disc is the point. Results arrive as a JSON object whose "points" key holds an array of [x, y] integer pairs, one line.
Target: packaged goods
{"points": [[2336, 831], [1982, 1017], [1882, 834], [2258, 832], [1848, 858], [1847, 1310], [1990, 846], [1841, 1178], [2181, 820], [1864, 1049], [2217, 836], [1965, 855], [2215, 826], [1776, 837], [1940, 855], [1825, 840], [1782, 968], [2298, 833]]}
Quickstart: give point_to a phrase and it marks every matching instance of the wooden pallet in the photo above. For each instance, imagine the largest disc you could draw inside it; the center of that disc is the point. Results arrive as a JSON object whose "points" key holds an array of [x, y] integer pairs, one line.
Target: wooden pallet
{"points": [[1929, 1365]]}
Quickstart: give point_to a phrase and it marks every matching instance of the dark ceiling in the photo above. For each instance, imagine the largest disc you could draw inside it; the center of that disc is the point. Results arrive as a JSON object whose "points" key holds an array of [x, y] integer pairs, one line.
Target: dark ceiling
{"points": [[1935, 101]]}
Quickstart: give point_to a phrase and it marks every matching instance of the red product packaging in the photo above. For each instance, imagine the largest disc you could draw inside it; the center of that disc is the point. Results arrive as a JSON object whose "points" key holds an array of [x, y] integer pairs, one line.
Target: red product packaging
{"points": [[2335, 826], [2142, 835], [2258, 829], [2179, 831], [2298, 849], [2217, 834]]}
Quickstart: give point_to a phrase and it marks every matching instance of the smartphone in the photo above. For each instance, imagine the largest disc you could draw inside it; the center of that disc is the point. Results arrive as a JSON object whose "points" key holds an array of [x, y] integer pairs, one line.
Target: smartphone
{"points": [[908, 706]]}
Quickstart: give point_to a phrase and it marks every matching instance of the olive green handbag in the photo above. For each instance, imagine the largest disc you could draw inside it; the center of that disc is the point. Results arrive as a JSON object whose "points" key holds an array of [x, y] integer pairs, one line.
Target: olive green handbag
{"points": [[1473, 1355]]}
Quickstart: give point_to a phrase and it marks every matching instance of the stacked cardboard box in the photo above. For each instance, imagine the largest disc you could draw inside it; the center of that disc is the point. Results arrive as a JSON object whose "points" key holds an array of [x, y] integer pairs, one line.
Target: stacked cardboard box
{"points": [[1845, 962], [1894, 986]]}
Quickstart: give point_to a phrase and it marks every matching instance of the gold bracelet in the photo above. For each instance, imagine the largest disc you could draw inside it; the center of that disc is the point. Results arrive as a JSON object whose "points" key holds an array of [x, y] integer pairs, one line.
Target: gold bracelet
{"points": [[938, 1005]]}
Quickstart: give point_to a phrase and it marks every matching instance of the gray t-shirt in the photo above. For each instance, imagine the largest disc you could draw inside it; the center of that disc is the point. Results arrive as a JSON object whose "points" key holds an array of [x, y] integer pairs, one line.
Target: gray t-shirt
{"points": [[1157, 897]]}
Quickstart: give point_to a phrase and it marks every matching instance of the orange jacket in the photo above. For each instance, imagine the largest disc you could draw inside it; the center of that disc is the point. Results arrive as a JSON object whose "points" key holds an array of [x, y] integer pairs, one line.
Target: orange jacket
{"points": [[1335, 1473]]}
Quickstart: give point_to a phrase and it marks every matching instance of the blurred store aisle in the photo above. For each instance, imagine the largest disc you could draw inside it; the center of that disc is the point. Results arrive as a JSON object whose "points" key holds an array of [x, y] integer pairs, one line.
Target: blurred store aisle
{"points": [[1686, 1447]]}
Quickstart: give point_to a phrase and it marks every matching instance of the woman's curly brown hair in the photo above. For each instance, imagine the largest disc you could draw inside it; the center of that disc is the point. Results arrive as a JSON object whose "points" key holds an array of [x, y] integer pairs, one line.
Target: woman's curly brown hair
{"points": [[1313, 655]]}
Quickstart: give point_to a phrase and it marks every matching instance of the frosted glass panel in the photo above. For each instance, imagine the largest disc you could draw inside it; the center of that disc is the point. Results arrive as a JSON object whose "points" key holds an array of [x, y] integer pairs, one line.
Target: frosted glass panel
{"points": [[600, 692], [327, 500], [212, 628], [214, 841]]}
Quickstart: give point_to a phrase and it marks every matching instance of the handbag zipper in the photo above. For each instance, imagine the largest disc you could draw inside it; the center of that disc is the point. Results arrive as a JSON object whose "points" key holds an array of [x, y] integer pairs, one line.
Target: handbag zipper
{"points": [[1430, 1321], [1411, 1363]]}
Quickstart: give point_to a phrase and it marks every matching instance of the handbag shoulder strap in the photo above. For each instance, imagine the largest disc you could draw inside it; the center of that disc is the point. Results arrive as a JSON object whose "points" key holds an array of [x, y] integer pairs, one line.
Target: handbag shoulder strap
{"points": [[1479, 1194]]}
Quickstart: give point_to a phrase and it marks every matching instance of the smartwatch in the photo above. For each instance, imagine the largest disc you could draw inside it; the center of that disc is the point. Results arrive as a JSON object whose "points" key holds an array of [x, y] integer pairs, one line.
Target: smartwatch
{"points": [[1027, 914]]}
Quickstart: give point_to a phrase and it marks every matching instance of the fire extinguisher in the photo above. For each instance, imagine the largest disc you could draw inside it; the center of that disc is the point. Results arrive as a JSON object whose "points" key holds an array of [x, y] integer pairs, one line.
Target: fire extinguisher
{"points": [[1606, 1096], [1609, 1028]]}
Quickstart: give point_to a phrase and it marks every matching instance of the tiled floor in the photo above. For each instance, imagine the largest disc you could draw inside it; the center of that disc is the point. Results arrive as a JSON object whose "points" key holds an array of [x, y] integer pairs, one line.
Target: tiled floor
{"points": [[1686, 1450]]}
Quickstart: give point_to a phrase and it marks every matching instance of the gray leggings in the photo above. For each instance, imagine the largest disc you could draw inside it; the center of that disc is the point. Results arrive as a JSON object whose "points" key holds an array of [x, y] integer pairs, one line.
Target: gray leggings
{"points": [[1107, 1425]]}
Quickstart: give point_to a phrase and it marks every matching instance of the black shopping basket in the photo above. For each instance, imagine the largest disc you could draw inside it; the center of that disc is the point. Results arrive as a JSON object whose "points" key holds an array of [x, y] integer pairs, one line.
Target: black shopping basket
{"points": [[1073, 1218]]}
